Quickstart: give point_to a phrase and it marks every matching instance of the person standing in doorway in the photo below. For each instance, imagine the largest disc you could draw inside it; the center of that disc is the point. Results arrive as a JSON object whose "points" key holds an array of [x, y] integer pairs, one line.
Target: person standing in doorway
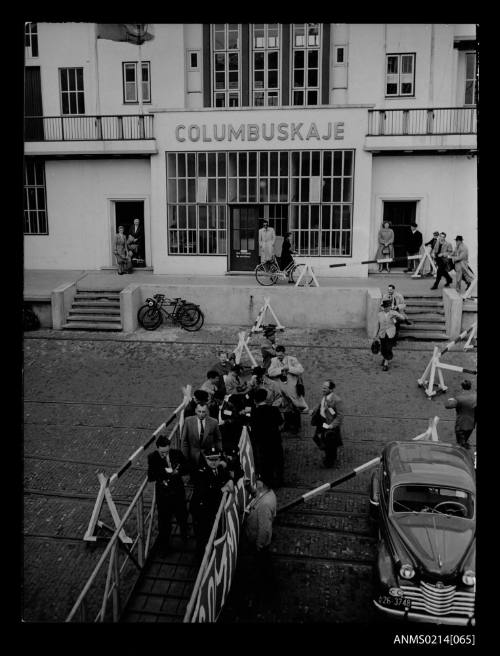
{"points": [[413, 245], [386, 331], [465, 405], [460, 258], [122, 253], [442, 253], [267, 237], [136, 241], [385, 246]]}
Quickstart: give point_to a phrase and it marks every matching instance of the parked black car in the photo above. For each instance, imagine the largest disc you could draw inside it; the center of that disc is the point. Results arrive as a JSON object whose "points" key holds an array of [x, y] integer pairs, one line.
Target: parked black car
{"points": [[423, 495]]}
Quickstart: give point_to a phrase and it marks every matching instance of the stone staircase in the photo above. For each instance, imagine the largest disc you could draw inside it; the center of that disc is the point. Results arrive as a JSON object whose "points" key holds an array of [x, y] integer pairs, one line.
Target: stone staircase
{"points": [[94, 310], [426, 311]]}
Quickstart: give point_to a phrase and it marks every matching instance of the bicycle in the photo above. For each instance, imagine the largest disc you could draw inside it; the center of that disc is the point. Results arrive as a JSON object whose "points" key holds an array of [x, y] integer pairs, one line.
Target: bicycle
{"points": [[268, 273], [155, 311]]}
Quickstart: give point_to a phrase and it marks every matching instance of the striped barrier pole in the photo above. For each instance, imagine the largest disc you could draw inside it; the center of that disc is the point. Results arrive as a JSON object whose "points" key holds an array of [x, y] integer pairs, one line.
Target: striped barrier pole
{"points": [[462, 336], [430, 433], [105, 484]]}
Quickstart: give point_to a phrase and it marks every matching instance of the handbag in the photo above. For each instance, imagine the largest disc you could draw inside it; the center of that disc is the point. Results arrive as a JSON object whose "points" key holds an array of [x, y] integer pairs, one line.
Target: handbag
{"points": [[301, 390], [386, 250], [375, 346]]}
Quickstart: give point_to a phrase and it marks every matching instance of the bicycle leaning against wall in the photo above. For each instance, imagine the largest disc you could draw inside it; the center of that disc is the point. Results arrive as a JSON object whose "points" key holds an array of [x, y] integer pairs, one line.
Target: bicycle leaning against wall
{"points": [[268, 273], [159, 308]]}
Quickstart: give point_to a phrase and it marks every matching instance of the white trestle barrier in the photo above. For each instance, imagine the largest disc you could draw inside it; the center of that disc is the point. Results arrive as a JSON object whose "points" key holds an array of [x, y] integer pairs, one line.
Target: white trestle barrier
{"points": [[472, 288], [473, 335], [257, 326], [307, 268], [423, 257], [105, 484], [244, 338], [435, 365]]}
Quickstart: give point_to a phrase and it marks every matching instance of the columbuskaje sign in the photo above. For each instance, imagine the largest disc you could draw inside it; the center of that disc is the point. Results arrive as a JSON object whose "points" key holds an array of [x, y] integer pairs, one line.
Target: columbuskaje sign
{"points": [[260, 132]]}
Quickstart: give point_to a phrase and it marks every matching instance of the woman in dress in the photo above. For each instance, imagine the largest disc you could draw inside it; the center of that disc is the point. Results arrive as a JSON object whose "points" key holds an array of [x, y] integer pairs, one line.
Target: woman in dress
{"points": [[122, 253], [385, 245]]}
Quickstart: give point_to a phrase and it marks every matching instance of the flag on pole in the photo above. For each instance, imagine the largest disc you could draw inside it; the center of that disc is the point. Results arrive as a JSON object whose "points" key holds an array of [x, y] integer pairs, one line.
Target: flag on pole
{"points": [[136, 33]]}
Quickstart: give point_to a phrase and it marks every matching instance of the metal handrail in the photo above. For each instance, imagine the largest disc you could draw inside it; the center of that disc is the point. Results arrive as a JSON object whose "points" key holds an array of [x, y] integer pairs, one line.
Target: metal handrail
{"points": [[420, 121], [408, 109], [89, 127]]}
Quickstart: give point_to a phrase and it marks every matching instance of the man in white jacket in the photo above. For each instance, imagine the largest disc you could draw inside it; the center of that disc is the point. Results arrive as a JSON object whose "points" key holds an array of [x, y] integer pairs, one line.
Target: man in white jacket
{"points": [[285, 370]]}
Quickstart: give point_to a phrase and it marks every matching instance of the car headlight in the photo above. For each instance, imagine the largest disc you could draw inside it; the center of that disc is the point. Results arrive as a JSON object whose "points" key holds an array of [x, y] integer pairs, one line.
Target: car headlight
{"points": [[407, 571], [151, 303], [469, 577]]}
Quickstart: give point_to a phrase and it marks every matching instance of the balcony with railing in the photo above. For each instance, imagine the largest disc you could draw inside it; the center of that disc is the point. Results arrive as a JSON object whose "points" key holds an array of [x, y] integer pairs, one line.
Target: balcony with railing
{"points": [[127, 134], [432, 128]]}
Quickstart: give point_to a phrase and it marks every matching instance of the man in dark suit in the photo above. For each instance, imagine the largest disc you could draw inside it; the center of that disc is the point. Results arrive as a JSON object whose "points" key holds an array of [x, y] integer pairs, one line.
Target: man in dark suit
{"points": [[199, 432], [442, 252], [136, 240], [166, 467], [327, 417], [465, 405], [265, 426], [414, 242]]}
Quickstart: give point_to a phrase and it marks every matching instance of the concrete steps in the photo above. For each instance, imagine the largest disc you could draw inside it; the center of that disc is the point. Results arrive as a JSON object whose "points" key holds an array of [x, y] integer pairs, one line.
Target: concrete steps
{"points": [[426, 312], [95, 310]]}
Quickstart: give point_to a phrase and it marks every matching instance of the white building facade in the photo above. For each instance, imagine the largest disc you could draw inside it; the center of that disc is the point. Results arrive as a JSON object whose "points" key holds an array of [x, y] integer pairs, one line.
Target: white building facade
{"points": [[201, 131]]}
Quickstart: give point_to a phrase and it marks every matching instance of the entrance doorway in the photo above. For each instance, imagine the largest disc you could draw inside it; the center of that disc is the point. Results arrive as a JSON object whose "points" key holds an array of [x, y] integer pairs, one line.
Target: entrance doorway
{"points": [[125, 213], [244, 237], [401, 214]]}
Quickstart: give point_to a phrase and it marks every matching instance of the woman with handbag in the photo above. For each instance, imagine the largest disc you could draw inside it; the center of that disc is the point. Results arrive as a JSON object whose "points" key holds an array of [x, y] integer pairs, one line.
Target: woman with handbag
{"points": [[122, 253], [385, 246]]}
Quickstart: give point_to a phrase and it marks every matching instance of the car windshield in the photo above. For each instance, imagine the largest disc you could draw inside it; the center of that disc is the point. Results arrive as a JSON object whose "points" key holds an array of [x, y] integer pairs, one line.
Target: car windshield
{"points": [[428, 499]]}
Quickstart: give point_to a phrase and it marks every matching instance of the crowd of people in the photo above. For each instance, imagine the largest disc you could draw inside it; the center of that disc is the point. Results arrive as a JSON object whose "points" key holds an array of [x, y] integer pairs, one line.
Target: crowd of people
{"points": [[129, 248], [269, 399]]}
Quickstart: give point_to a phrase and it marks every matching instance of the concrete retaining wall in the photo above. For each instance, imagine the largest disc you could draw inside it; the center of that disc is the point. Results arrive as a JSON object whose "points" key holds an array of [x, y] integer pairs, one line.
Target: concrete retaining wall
{"points": [[452, 312], [61, 299], [131, 299], [319, 307]]}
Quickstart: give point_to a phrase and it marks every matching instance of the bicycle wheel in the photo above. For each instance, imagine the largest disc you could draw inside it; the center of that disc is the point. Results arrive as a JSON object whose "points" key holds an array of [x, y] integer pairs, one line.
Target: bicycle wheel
{"points": [[150, 319], [191, 318], [307, 278], [266, 274]]}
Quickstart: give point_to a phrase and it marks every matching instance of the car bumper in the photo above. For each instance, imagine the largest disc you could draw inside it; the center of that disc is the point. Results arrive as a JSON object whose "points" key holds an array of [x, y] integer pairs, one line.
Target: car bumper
{"points": [[420, 617]]}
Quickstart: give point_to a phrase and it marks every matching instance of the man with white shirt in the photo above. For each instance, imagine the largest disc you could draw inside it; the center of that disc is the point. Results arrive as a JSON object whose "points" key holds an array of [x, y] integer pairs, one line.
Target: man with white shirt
{"points": [[199, 432], [267, 237], [327, 417]]}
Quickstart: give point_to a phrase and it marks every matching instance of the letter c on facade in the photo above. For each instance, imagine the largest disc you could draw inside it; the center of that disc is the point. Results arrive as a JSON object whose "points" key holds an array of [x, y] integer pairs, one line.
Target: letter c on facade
{"points": [[177, 132]]}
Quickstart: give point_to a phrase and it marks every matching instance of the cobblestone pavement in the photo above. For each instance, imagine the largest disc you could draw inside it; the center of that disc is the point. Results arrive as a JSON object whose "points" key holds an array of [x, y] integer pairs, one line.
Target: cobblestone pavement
{"points": [[91, 400]]}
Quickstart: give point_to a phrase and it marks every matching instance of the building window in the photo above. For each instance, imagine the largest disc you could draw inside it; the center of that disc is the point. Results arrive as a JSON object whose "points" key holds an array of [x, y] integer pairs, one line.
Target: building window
{"points": [[196, 195], [400, 75], [305, 64], [340, 58], [226, 45], [72, 94], [266, 64], [193, 60], [35, 205], [31, 40], [130, 82], [309, 193], [470, 79]]}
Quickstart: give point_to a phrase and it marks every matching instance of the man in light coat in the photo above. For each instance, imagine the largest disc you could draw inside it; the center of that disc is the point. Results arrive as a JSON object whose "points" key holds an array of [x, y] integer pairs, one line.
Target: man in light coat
{"points": [[285, 370], [460, 257], [327, 417], [267, 237], [442, 252]]}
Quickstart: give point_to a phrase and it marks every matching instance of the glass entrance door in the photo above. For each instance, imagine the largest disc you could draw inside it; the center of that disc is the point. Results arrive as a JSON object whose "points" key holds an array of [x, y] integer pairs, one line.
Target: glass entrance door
{"points": [[244, 244]]}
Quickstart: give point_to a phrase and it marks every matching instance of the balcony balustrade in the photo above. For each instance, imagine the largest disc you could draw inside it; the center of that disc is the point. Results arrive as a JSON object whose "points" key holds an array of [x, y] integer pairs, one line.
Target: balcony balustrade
{"points": [[88, 128], [426, 121]]}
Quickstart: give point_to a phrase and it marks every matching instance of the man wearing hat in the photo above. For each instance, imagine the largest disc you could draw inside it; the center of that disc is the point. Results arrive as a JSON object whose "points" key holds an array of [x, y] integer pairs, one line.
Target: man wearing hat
{"points": [[460, 257], [442, 252], [166, 467], [259, 380], [211, 478], [465, 405], [268, 348]]}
